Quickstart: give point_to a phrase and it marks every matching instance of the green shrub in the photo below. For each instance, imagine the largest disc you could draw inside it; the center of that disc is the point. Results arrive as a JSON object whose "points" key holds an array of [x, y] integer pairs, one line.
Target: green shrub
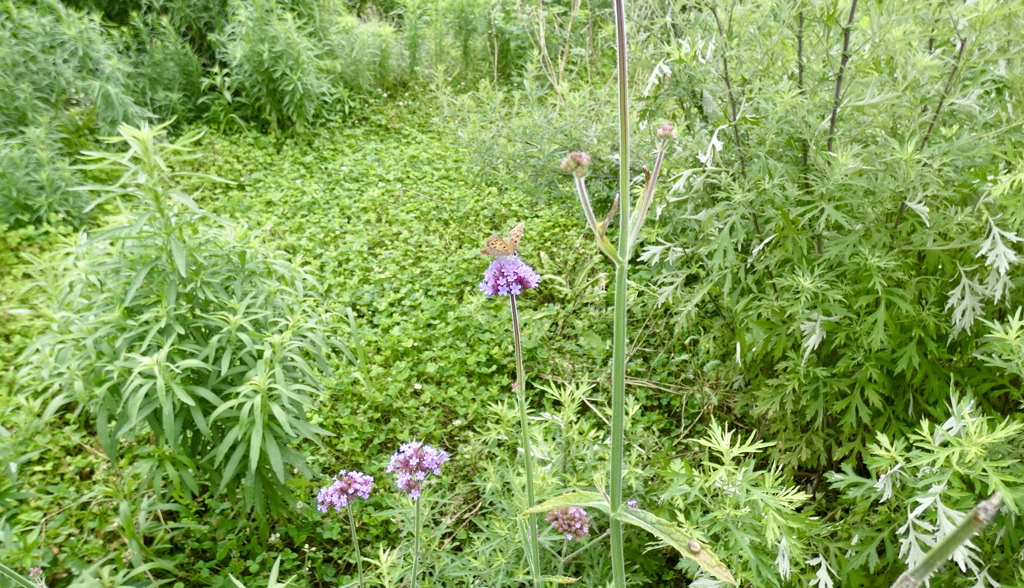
{"points": [[62, 81], [176, 328], [169, 74], [55, 61], [913, 490], [35, 180], [274, 63], [198, 22], [467, 23], [362, 56]]}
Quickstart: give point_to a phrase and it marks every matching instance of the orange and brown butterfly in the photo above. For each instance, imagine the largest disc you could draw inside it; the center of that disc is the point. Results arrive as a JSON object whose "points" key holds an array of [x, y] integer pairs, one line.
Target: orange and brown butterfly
{"points": [[498, 247]]}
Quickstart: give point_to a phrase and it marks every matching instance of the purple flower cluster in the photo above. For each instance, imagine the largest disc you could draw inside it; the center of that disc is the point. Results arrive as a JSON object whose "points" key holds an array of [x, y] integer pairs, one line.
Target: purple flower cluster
{"points": [[347, 486], [633, 504], [571, 521], [412, 463], [508, 275]]}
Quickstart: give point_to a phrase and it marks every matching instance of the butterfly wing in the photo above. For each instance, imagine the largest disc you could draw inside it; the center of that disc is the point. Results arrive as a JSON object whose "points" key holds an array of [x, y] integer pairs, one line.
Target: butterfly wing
{"points": [[495, 245], [514, 236]]}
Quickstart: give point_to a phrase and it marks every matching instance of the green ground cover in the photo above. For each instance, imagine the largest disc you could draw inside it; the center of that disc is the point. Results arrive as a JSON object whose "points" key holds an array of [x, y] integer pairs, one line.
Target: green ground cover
{"points": [[390, 216]]}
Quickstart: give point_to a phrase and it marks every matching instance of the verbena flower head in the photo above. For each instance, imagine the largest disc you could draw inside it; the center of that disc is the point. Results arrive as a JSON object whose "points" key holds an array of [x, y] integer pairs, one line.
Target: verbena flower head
{"points": [[347, 487], [667, 131], [411, 464], [576, 162], [508, 275], [571, 521], [633, 504]]}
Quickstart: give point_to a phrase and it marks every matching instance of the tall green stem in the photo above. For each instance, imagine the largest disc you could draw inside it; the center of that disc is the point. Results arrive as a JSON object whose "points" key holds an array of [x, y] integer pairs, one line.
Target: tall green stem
{"points": [[416, 541], [619, 334], [973, 523], [355, 544], [531, 498]]}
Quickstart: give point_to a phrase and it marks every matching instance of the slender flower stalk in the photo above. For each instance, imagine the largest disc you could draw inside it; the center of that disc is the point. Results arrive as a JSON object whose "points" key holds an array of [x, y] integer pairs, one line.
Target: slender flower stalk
{"points": [[665, 133], [531, 497], [411, 464], [510, 276], [355, 544], [619, 329], [346, 487], [629, 231], [416, 540]]}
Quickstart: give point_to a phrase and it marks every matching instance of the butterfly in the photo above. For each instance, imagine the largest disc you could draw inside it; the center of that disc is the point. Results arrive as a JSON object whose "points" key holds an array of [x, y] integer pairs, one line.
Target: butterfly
{"points": [[495, 245]]}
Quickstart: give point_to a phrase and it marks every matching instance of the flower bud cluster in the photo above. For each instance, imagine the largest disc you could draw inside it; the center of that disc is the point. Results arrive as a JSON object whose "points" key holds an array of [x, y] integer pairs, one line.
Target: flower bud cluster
{"points": [[576, 162], [571, 521], [667, 131]]}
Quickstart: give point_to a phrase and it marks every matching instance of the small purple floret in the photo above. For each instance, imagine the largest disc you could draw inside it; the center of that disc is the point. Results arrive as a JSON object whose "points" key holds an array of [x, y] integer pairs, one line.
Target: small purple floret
{"points": [[36, 575], [571, 521], [508, 275], [347, 487], [412, 463], [632, 503]]}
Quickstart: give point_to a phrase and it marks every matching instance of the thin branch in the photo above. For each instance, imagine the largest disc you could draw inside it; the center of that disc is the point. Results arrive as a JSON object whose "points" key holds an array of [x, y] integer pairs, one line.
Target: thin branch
{"points": [[836, 97], [935, 117], [839, 76], [945, 93], [563, 57], [732, 98], [800, 77], [734, 115]]}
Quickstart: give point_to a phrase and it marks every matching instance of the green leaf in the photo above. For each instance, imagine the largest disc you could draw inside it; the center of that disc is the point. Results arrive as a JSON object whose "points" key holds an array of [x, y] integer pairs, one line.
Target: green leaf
{"points": [[559, 579], [578, 498], [674, 536], [231, 467], [136, 282], [256, 441], [180, 259], [274, 456]]}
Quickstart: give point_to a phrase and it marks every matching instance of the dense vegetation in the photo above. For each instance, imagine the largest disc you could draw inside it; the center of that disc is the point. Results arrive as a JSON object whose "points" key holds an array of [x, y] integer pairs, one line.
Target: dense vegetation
{"points": [[241, 252]]}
